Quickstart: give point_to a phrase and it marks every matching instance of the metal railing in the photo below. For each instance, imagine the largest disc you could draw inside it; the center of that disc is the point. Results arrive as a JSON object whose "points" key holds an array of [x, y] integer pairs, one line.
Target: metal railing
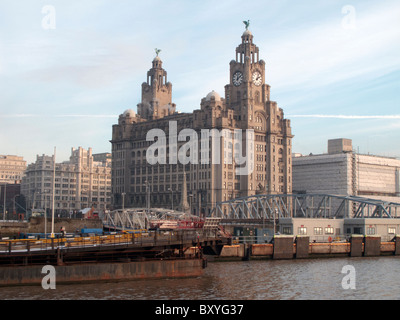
{"points": [[251, 239], [37, 245], [140, 239]]}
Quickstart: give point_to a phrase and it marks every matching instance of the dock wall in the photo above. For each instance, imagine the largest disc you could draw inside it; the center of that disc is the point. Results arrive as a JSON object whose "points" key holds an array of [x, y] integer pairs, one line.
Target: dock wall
{"points": [[94, 272], [290, 247]]}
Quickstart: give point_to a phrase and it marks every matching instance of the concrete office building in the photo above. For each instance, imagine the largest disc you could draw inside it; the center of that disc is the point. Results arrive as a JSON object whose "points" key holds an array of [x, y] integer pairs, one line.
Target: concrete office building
{"points": [[246, 105], [344, 172]]}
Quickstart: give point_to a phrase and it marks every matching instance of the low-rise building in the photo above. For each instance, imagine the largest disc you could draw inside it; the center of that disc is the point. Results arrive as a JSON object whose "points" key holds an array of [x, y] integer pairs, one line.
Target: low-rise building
{"points": [[318, 229], [326, 230]]}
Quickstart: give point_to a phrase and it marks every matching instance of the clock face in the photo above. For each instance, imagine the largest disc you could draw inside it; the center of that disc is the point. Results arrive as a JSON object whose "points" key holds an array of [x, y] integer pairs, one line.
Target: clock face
{"points": [[237, 78], [257, 78]]}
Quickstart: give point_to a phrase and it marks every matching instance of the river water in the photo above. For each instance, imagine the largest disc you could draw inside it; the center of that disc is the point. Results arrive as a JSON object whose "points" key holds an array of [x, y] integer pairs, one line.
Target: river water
{"points": [[321, 279]]}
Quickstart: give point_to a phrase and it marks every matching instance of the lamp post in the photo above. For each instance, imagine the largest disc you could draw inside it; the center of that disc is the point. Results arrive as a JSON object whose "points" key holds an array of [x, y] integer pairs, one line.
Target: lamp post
{"points": [[172, 198], [147, 184], [4, 206], [123, 210], [45, 214], [123, 201], [54, 185]]}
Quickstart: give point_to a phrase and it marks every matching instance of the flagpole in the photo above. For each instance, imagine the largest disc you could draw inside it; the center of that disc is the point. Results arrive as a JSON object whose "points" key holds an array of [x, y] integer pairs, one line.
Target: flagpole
{"points": [[54, 181]]}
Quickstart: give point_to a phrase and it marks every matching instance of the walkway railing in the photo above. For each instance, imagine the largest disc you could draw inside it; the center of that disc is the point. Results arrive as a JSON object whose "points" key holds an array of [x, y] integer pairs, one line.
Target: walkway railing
{"points": [[142, 239]]}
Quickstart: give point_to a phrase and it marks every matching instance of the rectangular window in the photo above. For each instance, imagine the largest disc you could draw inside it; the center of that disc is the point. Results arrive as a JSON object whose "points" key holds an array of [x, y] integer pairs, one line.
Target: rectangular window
{"points": [[287, 230], [328, 230], [302, 231], [318, 230], [370, 230], [391, 230]]}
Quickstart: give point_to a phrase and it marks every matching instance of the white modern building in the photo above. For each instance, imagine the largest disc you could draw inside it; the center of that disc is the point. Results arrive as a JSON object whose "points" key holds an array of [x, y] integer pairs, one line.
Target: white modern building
{"points": [[344, 172], [326, 230]]}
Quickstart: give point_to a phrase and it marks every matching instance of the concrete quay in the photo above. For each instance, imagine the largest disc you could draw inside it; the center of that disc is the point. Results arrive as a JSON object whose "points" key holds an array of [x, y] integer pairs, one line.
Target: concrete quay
{"points": [[290, 247], [98, 272]]}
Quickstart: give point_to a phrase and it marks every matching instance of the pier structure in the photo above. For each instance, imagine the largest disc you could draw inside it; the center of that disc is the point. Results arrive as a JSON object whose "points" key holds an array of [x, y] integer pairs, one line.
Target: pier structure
{"points": [[300, 247], [127, 246], [322, 217], [158, 251]]}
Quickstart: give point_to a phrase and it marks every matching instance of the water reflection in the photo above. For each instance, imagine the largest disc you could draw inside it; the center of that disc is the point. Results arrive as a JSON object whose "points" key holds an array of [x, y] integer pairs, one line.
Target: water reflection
{"points": [[376, 278]]}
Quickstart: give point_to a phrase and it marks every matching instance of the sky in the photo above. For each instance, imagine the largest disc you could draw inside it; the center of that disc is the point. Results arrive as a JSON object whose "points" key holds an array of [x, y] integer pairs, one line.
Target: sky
{"points": [[68, 69]]}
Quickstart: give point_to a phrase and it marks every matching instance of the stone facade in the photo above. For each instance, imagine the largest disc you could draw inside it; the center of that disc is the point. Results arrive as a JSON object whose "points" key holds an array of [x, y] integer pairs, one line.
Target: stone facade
{"points": [[80, 182], [11, 169], [246, 106]]}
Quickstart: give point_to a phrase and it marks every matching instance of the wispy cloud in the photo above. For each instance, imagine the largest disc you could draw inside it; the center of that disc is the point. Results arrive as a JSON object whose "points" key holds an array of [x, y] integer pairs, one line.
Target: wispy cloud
{"points": [[25, 115], [326, 53], [342, 116], [333, 116]]}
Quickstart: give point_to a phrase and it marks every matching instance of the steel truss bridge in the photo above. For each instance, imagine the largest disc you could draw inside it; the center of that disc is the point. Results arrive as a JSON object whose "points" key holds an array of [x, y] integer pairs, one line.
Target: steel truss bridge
{"points": [[140, 218], [263, 207], [273, 206]]}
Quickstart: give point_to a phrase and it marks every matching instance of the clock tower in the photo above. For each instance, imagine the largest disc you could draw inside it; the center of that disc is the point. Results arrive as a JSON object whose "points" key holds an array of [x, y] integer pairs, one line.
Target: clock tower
{"points": [[248, 96], [247, 92]]}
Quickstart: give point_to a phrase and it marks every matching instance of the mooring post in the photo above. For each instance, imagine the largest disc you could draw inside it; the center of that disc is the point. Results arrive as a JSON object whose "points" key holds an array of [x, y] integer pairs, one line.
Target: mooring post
{"points": [[283, 247], [372, 246], [247, 252], [397, 245], [356, 244], [302, 246], [60, 261]]}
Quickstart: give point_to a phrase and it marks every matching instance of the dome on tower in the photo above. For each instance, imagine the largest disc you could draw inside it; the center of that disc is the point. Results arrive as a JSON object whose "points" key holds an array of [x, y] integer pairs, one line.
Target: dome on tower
{"points": [[247, 33], [214, 95], [129, 113]]}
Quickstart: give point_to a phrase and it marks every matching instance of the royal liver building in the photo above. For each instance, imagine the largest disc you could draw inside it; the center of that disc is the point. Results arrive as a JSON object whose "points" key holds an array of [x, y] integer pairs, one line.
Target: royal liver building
{"points": [[231, 147]]}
